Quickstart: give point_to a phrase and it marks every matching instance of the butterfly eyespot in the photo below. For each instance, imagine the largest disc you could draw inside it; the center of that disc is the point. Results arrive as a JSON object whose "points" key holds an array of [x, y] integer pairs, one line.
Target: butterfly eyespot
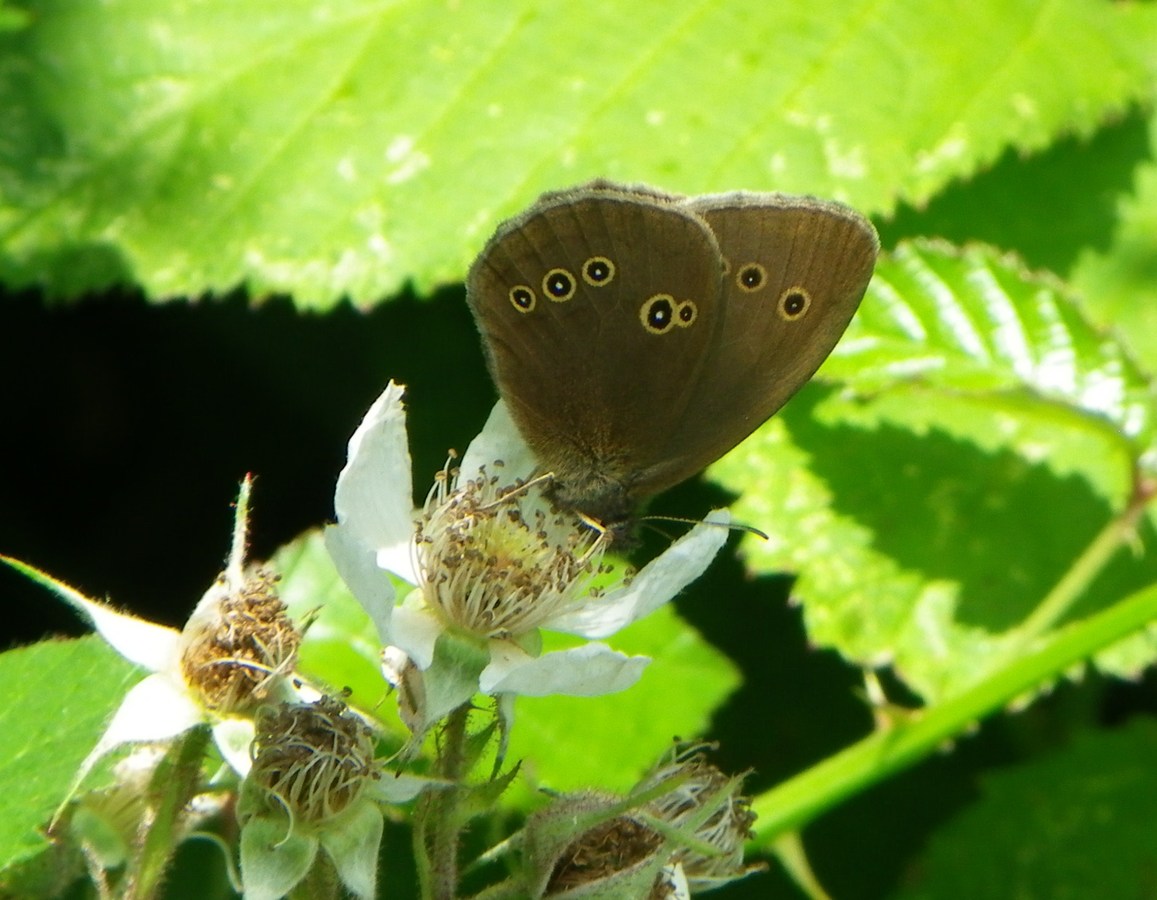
{"points": [[522, 298], [686, 313], [658, 313], [793, 303], [751, 277], [558, 285], [598, 270]]}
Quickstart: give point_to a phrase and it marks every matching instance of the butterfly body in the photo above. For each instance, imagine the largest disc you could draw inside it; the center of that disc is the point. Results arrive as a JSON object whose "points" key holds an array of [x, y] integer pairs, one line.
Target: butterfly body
{"points": [[637, 336]]}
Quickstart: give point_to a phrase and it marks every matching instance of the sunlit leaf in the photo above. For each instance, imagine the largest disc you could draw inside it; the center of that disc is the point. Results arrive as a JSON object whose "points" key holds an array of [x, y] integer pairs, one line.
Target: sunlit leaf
{"points": [[349, 146], [992, 433]]}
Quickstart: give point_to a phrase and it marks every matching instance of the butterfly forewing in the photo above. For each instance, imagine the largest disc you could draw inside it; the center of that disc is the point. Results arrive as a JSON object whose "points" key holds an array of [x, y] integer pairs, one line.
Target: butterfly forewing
{"points": [[598, 308]]}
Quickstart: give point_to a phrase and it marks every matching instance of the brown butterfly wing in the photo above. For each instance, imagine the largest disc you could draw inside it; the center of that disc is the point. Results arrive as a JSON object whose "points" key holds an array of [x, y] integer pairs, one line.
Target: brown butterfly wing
{"points": [[598, 369], [795, 270]]}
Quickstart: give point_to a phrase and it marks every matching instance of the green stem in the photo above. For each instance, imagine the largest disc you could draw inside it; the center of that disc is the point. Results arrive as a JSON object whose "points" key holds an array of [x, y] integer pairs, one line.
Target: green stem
{"points": [[439, 824], [798, 801], [1028, 661], [788, 849], [174, 783], [1087, 567]]}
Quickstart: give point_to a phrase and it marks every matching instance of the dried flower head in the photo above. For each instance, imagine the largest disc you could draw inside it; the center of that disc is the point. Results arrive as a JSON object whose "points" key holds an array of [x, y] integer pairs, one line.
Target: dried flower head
{"points": [[237, 642], [315, 759], [603, 852], [313, 765], [707, 806], [237, 647]]}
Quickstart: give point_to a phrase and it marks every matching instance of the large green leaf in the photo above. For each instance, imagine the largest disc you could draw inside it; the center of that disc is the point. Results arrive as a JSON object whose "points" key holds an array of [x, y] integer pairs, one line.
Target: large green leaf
{"points": [[67, 692], [993, 434], [1076, 824], [1121, 280], [335, 148], [971, 320]]}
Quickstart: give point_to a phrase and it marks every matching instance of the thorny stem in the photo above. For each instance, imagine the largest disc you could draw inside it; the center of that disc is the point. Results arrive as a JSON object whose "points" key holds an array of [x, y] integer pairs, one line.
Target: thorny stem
{"points": [[439, 822]]}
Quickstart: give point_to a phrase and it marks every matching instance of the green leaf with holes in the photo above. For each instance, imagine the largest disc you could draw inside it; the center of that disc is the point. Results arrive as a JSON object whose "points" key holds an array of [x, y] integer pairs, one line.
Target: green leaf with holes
{"points": [[346, 148], [985, 435]]}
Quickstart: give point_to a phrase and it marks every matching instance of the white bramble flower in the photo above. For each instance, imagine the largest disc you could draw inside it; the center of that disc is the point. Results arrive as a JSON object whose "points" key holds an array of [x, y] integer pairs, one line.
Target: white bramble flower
{"points": [[234, 652], [493, 562]]}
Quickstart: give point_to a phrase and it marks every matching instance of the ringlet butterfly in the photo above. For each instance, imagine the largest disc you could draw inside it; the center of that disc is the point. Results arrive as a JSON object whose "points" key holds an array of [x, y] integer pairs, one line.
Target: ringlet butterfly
{"points": [[637, 336]]}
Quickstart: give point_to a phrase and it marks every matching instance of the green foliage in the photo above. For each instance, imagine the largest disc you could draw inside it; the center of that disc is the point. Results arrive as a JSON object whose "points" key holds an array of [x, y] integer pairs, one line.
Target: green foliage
{"points": [[68, 690], [940, 511], [956, 496], [343, 149], [1047, 828], [620, 733], [341, 648]]}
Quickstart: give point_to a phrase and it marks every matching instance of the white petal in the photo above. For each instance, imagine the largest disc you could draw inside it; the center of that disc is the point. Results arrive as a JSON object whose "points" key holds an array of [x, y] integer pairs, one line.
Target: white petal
{"points": [[139, 641], [680, 890], [374, 491], [357, 565], [394, 663], [207, 613], [399, 559], [153, 710], [414, 629], [499, 439], [655, 584], [585, 671], [233, 738]]}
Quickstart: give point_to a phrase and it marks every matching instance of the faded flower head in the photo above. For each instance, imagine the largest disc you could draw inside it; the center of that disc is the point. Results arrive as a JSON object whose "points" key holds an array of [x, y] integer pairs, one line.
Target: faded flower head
{"points": [[591, 844], [237, 649], [608, 854], [315, 759], [706, 805], [314, 785], [237, 641], [680, 831]]}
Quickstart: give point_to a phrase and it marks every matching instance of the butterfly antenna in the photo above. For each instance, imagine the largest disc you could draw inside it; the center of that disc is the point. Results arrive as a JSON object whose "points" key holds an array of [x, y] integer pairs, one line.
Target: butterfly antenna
{"points": [[730, 526]]}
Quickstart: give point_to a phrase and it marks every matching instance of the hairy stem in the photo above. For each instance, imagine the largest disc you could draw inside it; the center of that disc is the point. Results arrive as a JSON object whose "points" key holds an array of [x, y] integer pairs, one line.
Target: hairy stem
{"points": [[439, 823], [173, 785]]}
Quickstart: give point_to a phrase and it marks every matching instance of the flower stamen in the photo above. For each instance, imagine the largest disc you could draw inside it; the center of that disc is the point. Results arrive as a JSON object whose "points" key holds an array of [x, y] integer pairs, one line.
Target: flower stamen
{"points": [[239, 644], [499, 559]]}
